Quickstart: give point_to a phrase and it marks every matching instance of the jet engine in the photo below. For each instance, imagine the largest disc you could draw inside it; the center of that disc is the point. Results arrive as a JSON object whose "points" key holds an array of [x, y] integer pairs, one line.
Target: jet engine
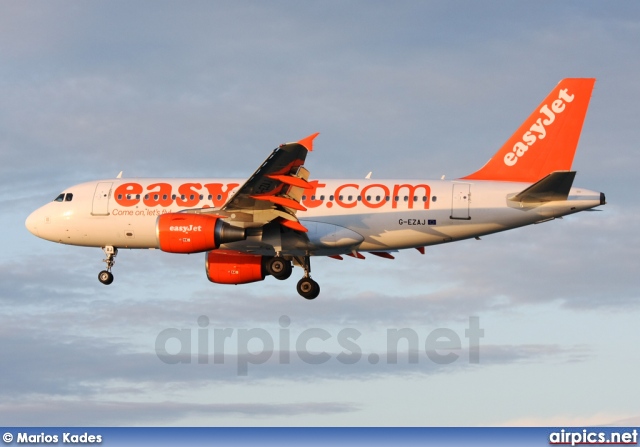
{"points": [[232, 267], [194, 233]]}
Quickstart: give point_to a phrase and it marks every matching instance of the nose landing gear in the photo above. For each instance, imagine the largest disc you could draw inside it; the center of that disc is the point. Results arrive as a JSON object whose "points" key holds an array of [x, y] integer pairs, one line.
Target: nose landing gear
{"points": [[105, 276]]}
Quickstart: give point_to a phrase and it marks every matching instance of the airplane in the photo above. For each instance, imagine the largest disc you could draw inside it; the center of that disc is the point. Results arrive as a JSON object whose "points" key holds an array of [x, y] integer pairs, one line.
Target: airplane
{"points": [[279, 218]]}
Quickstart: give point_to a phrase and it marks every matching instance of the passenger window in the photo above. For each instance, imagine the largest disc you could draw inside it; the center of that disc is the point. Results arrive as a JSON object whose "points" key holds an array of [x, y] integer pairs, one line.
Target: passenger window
{"points": [[60, 198], [68, 197], [377, 198], [331, 198], [304, 197], [322, 198], [434, 198]]}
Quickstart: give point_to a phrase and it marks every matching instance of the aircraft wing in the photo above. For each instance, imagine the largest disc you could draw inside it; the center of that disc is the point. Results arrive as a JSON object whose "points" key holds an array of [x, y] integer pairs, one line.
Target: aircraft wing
{"points": [[275, 189]]}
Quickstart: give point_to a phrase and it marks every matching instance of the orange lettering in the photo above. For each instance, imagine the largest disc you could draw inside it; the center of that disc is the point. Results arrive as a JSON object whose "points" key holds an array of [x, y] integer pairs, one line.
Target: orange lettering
{"points": [[126, 193], [189, 190], [367, 203], [339, 190], [309, 202], [218, 196], [411, 193], [160, 197]]}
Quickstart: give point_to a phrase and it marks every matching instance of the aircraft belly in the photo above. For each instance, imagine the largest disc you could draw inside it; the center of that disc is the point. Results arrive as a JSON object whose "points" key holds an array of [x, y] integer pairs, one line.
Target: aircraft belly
{"points": [[100, 231], [325, 235]]}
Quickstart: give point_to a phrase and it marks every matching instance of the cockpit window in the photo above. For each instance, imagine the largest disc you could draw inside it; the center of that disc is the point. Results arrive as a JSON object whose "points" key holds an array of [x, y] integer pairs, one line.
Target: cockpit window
{"points": [[68, 197], [60, 198]]}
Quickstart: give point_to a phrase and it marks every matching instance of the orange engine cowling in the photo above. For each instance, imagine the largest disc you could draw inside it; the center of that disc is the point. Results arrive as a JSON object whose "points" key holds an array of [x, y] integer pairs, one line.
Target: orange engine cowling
{"points": [[194, 233], [233, 267]]}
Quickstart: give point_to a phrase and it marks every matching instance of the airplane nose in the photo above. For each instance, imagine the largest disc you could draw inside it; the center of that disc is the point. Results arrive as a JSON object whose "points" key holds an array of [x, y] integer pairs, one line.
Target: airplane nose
{"points": [[32, 223]]}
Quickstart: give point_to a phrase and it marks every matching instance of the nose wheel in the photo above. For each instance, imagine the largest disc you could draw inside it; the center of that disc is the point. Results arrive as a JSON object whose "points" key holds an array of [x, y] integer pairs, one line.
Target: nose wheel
{"points": [[105, 276], [307, 287]]}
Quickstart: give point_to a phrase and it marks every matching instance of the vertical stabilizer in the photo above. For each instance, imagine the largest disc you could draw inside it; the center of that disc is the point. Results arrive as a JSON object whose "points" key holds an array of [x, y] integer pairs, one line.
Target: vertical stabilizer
{"points": [[547, 140]]}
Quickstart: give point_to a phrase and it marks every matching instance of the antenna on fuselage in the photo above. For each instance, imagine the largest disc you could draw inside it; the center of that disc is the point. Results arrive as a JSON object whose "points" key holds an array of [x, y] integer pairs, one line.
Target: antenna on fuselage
{"points": [[119, 175]]}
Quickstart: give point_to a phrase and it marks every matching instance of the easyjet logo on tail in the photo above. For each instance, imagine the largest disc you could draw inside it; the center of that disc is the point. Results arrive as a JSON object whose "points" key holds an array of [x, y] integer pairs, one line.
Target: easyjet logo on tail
{"points": [[538, 129]]}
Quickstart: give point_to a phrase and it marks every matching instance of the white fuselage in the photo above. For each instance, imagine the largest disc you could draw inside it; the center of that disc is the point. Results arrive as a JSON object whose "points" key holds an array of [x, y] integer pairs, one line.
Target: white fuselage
{"points": [[387, 214]]}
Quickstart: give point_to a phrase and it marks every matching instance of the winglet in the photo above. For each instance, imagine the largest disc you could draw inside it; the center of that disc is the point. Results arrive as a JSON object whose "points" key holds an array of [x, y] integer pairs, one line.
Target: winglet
{"points": [[546, 141], [307, 142]]}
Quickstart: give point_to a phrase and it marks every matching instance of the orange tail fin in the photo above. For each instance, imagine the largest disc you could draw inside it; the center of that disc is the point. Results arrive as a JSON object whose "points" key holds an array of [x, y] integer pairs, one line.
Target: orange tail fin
{"points": [[546, 141]]}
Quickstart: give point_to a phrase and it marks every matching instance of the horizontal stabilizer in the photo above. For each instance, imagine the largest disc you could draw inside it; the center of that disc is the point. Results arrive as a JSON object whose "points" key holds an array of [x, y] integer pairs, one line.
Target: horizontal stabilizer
{"points": [[555, 186]]}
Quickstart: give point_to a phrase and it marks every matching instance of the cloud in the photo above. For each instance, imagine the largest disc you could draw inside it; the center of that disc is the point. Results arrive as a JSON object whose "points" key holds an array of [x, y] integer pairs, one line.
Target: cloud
{"points": [[43, 362], [65, 412]]}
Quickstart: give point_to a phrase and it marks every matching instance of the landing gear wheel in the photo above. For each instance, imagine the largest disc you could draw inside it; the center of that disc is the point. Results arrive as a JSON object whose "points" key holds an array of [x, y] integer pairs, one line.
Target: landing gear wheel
{"points": [[308, 288], [105, 277], [280, 268]]}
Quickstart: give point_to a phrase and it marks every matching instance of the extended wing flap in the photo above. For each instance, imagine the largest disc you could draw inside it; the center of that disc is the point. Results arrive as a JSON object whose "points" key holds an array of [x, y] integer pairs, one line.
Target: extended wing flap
{"points": [[555, 186], [276, 188]]}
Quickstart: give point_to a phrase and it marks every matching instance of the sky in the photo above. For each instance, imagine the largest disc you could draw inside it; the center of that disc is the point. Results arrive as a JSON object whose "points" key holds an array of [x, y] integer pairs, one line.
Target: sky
{"points": [[409, 89]]}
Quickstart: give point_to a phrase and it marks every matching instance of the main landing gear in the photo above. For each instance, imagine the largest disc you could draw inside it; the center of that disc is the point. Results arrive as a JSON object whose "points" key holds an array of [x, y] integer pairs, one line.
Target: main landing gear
{"points": [[279, 268], [105, 276], [307, 287]]}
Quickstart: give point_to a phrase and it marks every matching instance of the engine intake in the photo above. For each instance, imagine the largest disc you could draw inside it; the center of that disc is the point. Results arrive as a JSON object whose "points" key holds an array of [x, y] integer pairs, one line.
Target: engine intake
{"points": [[194, 233]]}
